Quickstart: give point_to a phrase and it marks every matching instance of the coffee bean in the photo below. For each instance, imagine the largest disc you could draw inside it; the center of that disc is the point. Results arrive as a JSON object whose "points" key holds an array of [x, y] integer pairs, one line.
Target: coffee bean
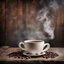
{"points": [[21, 57], [18, 57], [41, 52], [36, 54], [14, 56], [27, 57], [56, 54]]}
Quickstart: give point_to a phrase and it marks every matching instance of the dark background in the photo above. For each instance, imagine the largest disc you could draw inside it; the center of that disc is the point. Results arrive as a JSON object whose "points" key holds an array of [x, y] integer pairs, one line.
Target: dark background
{"points": [[16, 15]]}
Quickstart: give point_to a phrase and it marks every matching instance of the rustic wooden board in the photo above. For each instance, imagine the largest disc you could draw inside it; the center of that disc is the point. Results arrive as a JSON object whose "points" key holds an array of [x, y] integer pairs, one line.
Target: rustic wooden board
{"points": [[8, 50]]}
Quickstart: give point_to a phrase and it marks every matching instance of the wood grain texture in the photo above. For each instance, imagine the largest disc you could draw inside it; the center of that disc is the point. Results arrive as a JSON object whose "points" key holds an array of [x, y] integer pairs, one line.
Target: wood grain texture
{"points": [[11, 19], [4, 56], [2, 21], [18, 16]]}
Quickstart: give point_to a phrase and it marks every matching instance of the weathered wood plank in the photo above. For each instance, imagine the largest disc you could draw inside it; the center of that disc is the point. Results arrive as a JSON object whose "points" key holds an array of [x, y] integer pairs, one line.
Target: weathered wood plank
{"points": [[11, 20], [60, 51], [2, 22]]}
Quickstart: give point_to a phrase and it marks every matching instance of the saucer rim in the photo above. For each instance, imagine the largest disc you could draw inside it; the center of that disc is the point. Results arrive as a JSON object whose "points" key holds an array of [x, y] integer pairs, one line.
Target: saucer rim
{"points": [[25, 53]]}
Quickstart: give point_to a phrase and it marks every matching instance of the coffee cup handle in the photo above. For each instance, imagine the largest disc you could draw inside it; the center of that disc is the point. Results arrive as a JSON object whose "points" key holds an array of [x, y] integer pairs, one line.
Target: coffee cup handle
{"points": [[20, 46], [48, 46]]}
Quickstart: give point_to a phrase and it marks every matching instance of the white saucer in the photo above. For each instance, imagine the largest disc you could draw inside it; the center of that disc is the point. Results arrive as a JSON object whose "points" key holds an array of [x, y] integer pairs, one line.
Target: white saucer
{"points": [[29, 54]]}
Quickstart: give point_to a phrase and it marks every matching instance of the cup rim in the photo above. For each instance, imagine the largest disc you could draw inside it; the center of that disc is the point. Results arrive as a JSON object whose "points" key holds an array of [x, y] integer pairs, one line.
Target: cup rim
{"points": [[33, 40]]}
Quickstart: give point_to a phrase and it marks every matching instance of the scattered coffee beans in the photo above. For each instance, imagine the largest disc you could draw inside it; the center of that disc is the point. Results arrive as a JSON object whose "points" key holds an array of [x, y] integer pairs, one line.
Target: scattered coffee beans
{"points": [[50, 55], [19, 54]]}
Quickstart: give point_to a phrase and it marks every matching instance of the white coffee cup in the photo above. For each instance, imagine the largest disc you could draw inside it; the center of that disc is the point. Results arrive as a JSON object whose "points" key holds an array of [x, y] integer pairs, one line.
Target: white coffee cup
{"points": [[34, 46]]}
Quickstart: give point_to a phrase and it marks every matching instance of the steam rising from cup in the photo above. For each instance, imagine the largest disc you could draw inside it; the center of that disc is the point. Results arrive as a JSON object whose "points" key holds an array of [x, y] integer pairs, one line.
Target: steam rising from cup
{"points": [[42, 18], [46, 22]]}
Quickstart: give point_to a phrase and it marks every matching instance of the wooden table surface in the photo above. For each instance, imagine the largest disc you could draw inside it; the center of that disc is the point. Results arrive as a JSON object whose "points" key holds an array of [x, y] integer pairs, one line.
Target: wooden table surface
{"points": [[7, 50]]}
